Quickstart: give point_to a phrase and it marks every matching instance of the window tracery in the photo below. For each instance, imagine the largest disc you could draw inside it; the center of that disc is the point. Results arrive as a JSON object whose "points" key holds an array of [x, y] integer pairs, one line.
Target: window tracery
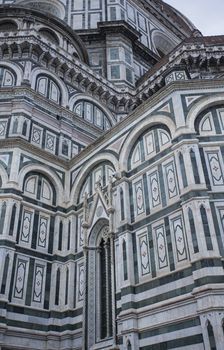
{"points": [[38, 187], [148, 145], [48, 88], [7, 77], [92, 114]]}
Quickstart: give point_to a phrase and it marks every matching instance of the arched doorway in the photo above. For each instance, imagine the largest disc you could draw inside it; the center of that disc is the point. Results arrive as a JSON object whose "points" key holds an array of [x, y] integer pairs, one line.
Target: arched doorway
{"points": [[100, 313]]}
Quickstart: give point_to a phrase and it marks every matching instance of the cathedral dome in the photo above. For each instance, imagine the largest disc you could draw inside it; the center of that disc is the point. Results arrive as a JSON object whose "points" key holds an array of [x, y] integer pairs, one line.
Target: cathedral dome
{"points": [[53, 7]]}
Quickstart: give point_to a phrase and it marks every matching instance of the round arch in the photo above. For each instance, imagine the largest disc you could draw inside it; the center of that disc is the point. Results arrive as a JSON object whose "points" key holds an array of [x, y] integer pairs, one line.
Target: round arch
{"points": [[62, 86], [200, 106], [85, 170], [79, 97], [162, 43], [148, 122], [49, 174], [15, 69]]}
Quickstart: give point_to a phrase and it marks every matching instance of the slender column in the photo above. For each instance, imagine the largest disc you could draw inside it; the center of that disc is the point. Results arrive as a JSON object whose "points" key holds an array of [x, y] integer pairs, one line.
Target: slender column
{"points": [[113, 288], [85, 325], [106, 247]]}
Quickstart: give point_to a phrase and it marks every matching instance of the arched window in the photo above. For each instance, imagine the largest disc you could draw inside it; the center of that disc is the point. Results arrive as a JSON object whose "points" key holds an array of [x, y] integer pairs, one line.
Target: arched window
{"points": [[125, 264], [211, 336], [129, 345], [92, 114], [65, 148], [69, 235], [37, 186], [195, 167], [206, 228], [193, 230], [15, 126], [5, 274], [183, 170], [162, 43], [12, 221], [2, 217], [7, 77], [66, 285], [49, 35], [8, 26], [47, 87], [24, 129], [60, 236], [105, 289], [148, 145], [122, 203], [57, 287]]}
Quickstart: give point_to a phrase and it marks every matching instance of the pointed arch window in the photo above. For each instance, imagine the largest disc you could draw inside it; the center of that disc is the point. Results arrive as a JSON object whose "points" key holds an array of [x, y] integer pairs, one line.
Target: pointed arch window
{"points": [[211, 336], [129, 347], [12, 221], [105, 289], [206, 228], [69, 235], [15, 126], [122, 203], [125, 265], [66, 285], [24, 129], [2, 217], [60, 236], [183, 170], [57, 287], [5, 274], [194, 167], [193, 231]]}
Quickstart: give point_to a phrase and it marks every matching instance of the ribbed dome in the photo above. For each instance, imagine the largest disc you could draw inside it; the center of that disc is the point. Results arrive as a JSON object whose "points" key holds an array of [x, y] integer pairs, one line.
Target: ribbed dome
{"points": [[53, 7]]}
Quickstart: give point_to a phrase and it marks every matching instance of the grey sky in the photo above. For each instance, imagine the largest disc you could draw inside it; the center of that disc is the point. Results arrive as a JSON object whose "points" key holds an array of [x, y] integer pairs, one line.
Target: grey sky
{"points": [[207, 15]]}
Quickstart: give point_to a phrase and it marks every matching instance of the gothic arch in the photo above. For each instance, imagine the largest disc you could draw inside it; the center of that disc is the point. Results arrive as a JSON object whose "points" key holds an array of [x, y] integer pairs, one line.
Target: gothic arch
{"points": [[79, 97], [200, 106], [64, 91], [148, 122], [49, 174], [79, 181], [99, 296]]}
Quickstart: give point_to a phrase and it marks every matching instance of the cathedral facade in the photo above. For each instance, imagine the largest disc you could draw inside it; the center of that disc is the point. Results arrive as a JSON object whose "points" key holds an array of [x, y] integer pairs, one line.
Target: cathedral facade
{"points": [[111, 177]]}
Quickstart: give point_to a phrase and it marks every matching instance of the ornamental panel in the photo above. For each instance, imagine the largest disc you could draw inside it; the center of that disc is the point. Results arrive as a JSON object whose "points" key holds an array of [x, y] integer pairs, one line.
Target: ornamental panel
{"points": [[139, 197], [43, 232], [81, 282], [179, 236], [161, 247], [20, 278], [171, 180], [144, 254], [215, 168], [154, 189], [38, 283], [26, 226]]}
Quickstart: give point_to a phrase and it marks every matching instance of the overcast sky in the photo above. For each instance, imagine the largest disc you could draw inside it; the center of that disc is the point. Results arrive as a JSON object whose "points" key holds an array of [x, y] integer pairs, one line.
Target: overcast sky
{"points": [[207, 15]]}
